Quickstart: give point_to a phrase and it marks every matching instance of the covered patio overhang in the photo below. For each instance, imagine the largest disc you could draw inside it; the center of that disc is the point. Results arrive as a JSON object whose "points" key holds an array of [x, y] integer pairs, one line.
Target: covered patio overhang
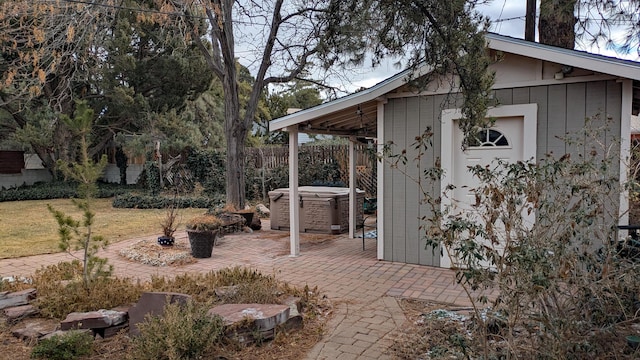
{"points": [[359, 117]]}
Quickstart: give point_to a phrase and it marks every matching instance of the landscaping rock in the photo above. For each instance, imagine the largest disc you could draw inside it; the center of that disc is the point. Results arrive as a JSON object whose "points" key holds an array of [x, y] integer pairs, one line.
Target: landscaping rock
{"points": [[231, 223], [93, 320], [294, 322], [294, 305], [152, 303], [251, 323], [260, 316], [263, 210], [17, 298], [31, 330], [20, 312]]}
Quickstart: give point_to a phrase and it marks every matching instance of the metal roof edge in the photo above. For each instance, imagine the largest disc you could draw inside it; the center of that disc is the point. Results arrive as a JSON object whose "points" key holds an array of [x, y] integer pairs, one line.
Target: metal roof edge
{"points": [[604, 64], [368, 94]]}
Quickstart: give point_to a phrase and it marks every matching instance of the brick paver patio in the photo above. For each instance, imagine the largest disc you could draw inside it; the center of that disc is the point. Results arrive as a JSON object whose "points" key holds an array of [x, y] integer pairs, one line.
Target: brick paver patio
{"points": [[368, 313]]}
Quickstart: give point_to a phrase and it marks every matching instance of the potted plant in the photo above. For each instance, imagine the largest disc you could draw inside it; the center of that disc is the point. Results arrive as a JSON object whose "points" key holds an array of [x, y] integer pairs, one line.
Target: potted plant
{"points": [[169, 224], [202, 231]]}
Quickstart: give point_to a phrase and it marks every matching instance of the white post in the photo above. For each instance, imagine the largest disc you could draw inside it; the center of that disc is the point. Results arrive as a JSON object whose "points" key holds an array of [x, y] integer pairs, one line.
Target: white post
{"points": [[380, 191], [353, 211], [625, 152], [294, 205]]}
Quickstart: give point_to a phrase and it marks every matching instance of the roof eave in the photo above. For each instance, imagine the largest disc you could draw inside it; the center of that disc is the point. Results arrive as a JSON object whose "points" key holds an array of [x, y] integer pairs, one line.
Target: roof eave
{"points": [[579, 59], [372, 93]]}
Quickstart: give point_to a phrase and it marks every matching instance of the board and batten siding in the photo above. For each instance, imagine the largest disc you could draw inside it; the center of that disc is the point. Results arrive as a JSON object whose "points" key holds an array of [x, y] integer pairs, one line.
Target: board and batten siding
{"points": [[562, 109]]}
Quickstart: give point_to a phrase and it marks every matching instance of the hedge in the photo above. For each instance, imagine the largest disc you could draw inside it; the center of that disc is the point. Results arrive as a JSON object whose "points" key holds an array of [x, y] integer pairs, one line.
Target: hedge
{"points": [[58, 190], [142, 201]]}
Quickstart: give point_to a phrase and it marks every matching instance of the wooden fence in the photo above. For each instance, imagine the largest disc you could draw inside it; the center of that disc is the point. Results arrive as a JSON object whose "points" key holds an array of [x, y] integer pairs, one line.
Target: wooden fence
{"points": [[278, 156]]}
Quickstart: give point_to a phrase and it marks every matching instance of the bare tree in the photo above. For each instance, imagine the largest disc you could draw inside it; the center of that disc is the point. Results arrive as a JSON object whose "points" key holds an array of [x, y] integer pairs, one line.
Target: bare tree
{"points": [[278, 40]]}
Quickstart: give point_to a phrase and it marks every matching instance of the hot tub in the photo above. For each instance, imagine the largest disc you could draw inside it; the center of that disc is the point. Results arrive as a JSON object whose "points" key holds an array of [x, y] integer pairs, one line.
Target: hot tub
{"points": [[322, 209]]}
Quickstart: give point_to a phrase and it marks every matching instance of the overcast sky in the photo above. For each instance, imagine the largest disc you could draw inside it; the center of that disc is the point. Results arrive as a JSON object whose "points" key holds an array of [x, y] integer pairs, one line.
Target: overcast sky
{"points": [[507, 19]]}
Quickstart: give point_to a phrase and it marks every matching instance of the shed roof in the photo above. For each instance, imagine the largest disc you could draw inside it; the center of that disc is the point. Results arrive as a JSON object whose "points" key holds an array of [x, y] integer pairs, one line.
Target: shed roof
{"points": [[356, 114]]}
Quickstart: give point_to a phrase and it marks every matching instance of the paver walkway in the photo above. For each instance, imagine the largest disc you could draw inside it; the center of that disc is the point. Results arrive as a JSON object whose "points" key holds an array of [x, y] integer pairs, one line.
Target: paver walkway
{"points": [[368, 312]]}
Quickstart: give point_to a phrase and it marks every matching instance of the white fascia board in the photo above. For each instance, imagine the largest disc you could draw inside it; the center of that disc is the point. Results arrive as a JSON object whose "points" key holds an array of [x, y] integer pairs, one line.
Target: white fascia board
{"points": [[354, 99], [580, 59]]}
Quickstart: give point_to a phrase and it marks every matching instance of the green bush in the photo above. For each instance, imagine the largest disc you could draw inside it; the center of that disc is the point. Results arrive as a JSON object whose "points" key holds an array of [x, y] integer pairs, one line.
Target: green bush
{"points": [[58, 190], [209, 169], [260, 181], [312, 172], [152, 177], [71, 345], [183, 332], [138, 201]]}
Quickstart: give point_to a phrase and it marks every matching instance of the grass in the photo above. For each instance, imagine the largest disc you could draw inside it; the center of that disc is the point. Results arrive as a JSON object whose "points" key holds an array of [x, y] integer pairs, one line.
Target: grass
{"points": [[29, 228]]}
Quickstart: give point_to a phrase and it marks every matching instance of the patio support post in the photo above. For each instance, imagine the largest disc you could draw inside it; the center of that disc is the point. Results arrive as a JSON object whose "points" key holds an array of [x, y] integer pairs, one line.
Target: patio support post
{"points": [[625, 151], [294, 204], [353, 211], [380, 172]]}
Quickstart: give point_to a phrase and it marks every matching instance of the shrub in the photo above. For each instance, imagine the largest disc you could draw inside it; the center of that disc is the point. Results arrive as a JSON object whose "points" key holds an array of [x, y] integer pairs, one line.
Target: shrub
{"points": [[61, 291], [58, 190], [183, 332], [204, 223], [138, 201], [252, 286], [566, 290], [151, 179], [208, 168], [71, 345]]}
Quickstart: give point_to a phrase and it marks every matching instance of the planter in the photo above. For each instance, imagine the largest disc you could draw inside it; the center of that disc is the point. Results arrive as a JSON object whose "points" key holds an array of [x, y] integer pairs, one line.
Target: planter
{"points": [[248, 217], [633, 341], [166, 240], [202, 243]]}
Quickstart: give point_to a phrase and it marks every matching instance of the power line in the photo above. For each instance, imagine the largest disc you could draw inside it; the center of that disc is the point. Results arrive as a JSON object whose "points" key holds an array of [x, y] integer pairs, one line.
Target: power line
{"points": [[522, 17]]}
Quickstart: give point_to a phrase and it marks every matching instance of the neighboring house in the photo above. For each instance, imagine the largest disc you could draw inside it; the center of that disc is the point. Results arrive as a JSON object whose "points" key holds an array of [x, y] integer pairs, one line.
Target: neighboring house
{"points": [[544, 92], [18, 168]]}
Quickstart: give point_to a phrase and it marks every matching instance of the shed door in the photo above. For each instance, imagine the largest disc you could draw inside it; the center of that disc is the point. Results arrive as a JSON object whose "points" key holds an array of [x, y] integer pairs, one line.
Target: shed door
{"points": [[502, 141]]}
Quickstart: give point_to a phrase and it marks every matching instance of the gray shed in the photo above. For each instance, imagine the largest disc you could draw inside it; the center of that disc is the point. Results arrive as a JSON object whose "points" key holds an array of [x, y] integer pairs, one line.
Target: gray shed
{"points": [[543, 91]]}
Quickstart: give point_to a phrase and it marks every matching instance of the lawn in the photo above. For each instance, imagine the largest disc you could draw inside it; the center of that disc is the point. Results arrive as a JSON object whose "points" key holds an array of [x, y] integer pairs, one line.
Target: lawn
{"points": [[28, 228]]}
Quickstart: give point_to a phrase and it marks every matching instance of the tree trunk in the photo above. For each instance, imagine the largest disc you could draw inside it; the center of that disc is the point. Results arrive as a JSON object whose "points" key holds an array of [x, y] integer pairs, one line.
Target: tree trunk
{"points": [[557, 23], [530, 21], [235, 134]]}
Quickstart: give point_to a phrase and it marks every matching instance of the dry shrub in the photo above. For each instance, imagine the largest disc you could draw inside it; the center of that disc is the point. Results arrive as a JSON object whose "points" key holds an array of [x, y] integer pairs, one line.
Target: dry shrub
{"points": [[251, 286], [183, 332], [429, 333], [568, 288], [61, 291]]}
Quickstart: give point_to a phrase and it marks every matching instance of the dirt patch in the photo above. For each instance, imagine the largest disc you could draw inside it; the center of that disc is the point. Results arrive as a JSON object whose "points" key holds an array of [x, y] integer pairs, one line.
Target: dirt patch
{"points": [[430, 332]]}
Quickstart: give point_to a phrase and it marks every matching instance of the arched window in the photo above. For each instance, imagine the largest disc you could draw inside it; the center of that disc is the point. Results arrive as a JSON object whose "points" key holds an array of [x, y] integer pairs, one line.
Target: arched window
{"points": [[489, 138]]}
